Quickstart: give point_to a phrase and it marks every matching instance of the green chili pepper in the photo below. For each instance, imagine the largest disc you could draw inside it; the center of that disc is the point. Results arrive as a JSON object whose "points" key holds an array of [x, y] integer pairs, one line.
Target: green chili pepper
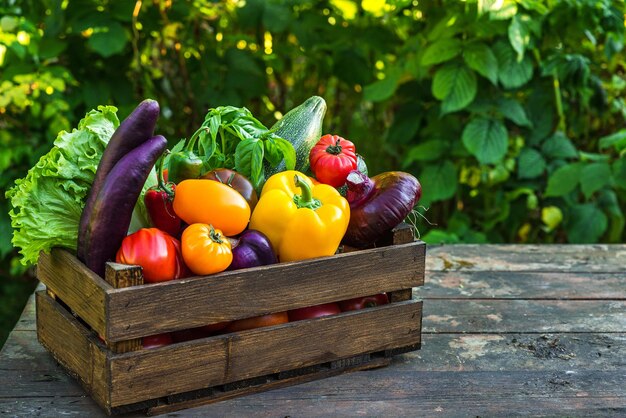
{"points": [[185, 164]]}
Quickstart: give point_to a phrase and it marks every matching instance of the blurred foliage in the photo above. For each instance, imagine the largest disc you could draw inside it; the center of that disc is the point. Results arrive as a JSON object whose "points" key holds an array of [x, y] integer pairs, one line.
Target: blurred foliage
{"points": [[510, 112]]}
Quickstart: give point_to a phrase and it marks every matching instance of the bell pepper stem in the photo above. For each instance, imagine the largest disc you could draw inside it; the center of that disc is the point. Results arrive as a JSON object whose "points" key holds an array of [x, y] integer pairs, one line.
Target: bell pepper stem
{"points": [[306, 199], [190, 143], [161, 181]]}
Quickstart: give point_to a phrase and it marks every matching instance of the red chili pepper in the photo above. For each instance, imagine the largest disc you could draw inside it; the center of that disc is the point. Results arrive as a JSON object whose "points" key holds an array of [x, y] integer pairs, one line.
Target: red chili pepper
{"points": [[158, 200]]}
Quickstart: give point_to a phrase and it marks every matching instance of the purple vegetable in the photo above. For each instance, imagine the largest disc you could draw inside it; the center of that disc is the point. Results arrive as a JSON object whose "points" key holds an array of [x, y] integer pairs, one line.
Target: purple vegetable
{"points": [[378, 204], [252, 249], [113, 208], [136, 129]]}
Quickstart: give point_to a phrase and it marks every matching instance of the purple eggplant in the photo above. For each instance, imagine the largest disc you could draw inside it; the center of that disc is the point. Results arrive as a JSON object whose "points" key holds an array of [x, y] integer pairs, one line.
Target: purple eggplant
{"points": [[113, 208], [136, 129], [378, 204], [252, 249]]}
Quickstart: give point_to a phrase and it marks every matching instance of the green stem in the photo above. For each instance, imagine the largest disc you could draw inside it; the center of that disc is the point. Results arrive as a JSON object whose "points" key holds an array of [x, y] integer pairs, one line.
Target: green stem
{"points": [[190, 143], [161, 180], [215, 237], [559, 102], [306, 199]]}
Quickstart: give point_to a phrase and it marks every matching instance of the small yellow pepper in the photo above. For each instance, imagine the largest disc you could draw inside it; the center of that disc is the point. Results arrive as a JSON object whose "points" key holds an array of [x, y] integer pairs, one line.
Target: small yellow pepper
{"points": [[301, 220]]}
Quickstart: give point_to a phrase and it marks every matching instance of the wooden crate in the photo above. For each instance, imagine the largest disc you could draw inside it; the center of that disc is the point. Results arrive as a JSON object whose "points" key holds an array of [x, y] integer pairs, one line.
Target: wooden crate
{"points": [[79, 306]]}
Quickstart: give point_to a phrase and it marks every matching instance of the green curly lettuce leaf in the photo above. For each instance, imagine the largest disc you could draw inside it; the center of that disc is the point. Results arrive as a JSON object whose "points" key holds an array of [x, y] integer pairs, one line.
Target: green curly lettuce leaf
{"points": [[48, 202]]}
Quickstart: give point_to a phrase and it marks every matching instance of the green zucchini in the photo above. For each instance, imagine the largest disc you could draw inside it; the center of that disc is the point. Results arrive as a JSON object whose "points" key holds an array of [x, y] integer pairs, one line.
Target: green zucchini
{"points": [[302, 127]]}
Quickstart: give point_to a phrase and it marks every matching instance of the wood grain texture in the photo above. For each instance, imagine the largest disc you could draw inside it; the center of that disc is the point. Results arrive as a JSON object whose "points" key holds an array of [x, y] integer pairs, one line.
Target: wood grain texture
{"points": [[121, 276], [524, 285], [73, 346], [156, 308], [526, 316], [155, 373], [76, 285], [514, 257]]}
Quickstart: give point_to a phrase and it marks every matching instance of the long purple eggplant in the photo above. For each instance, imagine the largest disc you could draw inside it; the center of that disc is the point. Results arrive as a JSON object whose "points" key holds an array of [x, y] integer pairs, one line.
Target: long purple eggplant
{"points": [[113, 207], [136, 129]]}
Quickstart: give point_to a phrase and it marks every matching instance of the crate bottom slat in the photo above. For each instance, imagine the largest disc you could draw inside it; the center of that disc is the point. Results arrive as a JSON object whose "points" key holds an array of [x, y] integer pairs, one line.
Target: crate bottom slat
{"points": [[271, 382], [77, 349]]}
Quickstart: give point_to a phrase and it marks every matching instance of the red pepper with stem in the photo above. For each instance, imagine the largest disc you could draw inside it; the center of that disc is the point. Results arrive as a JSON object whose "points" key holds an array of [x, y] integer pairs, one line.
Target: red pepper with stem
{"points": [[158, 200]]}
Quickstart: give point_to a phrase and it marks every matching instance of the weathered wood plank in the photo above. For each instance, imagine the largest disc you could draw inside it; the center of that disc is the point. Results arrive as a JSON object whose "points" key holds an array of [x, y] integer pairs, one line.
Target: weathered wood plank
{"points": [[76, 285], [513, 257], [406, 393], [522, 316], [121, 276], [72, 346], [156, 308], [154, 373], [523, 285]]}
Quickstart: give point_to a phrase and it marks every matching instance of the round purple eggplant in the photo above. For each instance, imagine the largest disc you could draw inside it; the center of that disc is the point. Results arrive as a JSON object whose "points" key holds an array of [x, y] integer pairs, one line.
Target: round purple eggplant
{"points": [[252, 249], [378, 204]]}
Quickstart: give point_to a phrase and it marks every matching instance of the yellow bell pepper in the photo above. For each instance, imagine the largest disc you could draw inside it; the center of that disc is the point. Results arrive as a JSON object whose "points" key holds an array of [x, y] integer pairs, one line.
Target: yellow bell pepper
{"points": [[301, 220]]}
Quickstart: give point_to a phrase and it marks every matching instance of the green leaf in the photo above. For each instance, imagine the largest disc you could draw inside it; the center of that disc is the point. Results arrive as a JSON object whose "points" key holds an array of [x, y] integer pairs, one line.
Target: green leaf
{"points": [[426, 151], [438, 236], [486, 139], [593, 177], [287, 151], [564, 180], [249, 160], [616, 140], [586, 224], [440, 51], [511, 73], [513, 110], [619, 173], [383, 89], [439, 181], [530, 164], [455, 85], [51, 48], [519, 36], [480, 58], [559, 146], [109, 40], [502, 10], [276, 16], [608, 202]]}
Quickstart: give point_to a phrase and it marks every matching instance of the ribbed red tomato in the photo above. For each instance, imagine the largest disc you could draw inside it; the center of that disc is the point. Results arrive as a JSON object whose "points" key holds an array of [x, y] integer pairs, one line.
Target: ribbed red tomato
{"points": [[153, 250], [332, 158]]}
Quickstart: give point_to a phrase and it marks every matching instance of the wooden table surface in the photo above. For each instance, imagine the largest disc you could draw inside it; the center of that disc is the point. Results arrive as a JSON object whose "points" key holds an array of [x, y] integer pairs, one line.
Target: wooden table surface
{"points": [[507, 330]]}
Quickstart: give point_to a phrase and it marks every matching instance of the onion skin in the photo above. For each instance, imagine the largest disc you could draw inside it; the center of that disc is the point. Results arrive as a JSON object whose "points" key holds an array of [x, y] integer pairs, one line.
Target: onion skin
{"points": [[378, 204], [252, 249]]}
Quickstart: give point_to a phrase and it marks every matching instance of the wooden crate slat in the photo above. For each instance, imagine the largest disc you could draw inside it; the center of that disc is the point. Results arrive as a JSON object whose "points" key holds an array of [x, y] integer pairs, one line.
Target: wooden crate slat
{"points": [[76, 285], [71, 345], [168, 370], [156, 308]]}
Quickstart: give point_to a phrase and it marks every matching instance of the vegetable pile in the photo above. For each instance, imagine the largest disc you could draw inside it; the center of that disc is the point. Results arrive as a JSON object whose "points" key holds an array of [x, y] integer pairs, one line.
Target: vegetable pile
{"points": [[234, 195]]}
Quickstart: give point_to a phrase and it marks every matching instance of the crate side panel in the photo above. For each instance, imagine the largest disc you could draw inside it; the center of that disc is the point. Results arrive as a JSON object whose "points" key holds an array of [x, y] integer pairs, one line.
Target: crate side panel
{"points": [[152, 309], [77, 286], [70, 344], [150, 374]]}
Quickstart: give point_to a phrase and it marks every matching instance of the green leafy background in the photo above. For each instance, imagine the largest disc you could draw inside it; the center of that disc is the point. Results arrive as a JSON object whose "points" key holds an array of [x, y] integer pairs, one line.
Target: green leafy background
{"points": [[510, 112]]}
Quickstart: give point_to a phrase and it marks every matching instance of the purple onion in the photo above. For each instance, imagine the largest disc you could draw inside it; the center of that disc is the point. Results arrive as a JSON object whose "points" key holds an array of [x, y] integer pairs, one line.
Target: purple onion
{"points": [[252, 249], [378, 204]]}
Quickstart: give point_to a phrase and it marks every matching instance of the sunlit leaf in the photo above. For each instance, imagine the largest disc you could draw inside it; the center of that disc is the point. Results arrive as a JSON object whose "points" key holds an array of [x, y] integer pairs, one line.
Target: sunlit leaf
{"points": [[383, 89], [511, 72], [109, 40], [439, 181]]}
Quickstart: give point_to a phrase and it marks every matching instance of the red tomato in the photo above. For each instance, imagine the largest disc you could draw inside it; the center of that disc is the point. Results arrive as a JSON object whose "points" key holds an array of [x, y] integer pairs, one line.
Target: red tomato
{"points": [[153, 250], [364, 302], [332, 158], [316, 311], [182, 270], [157, 340], [257, 322]]}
